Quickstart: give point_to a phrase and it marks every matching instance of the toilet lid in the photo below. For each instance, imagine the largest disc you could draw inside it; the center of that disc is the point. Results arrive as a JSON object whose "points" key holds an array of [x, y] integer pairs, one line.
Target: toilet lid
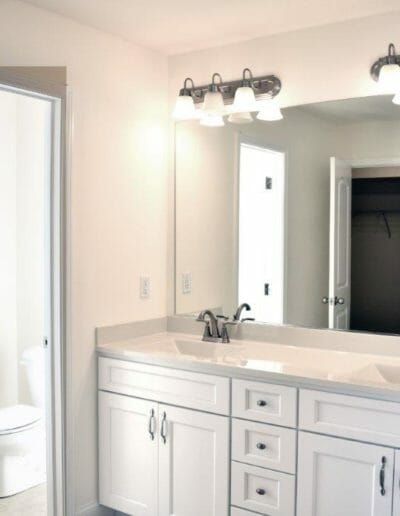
{"points": [[18, 416]]}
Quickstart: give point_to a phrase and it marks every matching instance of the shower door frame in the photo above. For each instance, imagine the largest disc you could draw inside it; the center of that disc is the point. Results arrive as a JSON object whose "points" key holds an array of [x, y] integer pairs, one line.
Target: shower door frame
{"points": [[29, 81]]}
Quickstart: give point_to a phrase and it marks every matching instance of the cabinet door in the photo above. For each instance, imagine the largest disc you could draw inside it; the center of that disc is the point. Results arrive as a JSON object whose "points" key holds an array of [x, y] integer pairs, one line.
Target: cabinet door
{"points": [[128, 455], [337, 477], [396, 489], [193, 463]]}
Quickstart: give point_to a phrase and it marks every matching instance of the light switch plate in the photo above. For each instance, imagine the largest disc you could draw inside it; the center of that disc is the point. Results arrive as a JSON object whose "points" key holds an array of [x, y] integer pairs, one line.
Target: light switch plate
{"points": [[186, 282]]}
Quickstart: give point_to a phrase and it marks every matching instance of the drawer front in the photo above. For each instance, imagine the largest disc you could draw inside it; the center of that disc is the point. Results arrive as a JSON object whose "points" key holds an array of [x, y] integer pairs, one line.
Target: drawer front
{"points": [[349, 416], [262, 490], [240, 512], [264, 402], [195, 390], [264, 445]]}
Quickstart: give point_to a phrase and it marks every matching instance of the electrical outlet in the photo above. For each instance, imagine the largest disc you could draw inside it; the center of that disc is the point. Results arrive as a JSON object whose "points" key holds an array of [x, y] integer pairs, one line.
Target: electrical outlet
{"points": [[145, 285], [186, 282]]}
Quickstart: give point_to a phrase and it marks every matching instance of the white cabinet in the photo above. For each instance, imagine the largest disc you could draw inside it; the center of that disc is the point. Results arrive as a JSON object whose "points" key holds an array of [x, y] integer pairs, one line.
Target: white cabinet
{"points": [[337, 477], [194, 463], [156, 459], [128, 457], [396, 487]]}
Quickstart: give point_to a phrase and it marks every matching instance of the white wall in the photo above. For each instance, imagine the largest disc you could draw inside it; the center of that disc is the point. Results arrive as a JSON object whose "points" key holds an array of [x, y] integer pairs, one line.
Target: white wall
{"points": [[8, 258], [118, 191]]}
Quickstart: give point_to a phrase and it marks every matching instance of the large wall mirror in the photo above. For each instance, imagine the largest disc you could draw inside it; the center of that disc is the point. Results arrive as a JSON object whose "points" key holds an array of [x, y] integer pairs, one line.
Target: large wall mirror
{"points": [[300, 218]]}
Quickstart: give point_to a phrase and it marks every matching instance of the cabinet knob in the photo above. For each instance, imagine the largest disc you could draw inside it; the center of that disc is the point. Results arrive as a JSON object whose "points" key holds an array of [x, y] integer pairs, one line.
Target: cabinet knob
{"points": [[261, 446], [260, 491], [261, 403]]}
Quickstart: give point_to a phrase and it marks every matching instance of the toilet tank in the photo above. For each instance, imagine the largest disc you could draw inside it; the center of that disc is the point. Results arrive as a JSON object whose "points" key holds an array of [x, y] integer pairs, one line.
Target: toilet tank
{"points": [[34, 361]]}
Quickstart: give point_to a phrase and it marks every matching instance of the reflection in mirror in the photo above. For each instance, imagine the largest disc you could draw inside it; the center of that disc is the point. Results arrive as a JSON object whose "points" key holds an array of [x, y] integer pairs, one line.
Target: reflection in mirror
{"points": [[300, 218]]}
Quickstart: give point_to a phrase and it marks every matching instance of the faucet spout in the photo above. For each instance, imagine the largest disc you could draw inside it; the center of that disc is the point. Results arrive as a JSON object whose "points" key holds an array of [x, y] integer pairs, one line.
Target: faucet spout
{"points": [[211, 323], [238, 314]]}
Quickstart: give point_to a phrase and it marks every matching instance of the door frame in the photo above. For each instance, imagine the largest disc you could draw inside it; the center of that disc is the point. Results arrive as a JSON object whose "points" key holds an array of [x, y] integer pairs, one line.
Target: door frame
{"points": [[34, 82]]}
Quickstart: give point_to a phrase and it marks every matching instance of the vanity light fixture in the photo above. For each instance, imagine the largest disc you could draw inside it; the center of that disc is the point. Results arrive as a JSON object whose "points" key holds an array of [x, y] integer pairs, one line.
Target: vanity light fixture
{"points": [[386, 71], [238, 99], [396, 99], [184, 106], [270, 110]]}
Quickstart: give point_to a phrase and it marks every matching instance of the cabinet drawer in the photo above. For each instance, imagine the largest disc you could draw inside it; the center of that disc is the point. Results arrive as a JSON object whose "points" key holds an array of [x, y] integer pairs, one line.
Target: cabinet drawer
{"points": [[195, 390], [264, 402], [263, 490], [240, 512], [264, 445], [349, 416]]}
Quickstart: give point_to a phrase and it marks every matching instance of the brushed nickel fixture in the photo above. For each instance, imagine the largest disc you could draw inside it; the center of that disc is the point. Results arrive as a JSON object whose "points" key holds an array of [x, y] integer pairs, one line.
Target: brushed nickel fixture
{"points": [[386, 71]]}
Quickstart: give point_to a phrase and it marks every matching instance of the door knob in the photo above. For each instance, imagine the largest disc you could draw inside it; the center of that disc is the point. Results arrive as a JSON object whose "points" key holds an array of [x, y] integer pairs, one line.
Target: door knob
{"points": [[339, 301], [325, 300]]}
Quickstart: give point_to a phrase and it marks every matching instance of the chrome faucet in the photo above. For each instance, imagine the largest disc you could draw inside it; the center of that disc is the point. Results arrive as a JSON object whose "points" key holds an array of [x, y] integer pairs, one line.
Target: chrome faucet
{"points": [[211, 329], [238, 314]]}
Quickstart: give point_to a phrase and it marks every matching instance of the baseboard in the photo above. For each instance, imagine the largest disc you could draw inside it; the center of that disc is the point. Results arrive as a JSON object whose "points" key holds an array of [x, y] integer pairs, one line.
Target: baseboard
{"points": [[94, 509]]}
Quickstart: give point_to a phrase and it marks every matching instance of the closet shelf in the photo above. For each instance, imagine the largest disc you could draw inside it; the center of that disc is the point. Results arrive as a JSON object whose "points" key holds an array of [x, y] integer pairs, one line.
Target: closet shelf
{"points": [[382, 213]]}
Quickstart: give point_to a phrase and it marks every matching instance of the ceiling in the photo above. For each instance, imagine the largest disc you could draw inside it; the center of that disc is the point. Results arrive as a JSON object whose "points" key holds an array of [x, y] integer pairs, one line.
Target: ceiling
{"points": [[350, 111], [179, 26]]}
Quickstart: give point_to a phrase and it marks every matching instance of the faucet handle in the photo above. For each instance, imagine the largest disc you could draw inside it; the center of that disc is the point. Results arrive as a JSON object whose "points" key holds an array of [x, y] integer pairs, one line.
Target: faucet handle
{"points": [[223, 317], [224, 332]]}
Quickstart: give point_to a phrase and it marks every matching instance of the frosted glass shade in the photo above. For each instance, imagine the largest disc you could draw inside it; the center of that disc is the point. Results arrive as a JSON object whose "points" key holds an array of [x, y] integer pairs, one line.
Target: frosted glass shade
{"points": [[396, 99], [245, 100], [214, 103], [212, 120], [240, 118], [270, 110], [184, 108], [389, 78]]}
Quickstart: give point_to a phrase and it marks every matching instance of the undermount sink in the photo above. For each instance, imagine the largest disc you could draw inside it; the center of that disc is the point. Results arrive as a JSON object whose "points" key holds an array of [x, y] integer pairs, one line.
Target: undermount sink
{"points": [[204, 349], [373, 373]]}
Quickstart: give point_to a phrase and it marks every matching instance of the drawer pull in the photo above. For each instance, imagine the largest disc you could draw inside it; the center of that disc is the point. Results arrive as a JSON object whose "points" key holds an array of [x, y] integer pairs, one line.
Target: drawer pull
{"points": [[382, 476], [261, 446], [151, 424], [260, 491], [261, 403], [164, 428]]}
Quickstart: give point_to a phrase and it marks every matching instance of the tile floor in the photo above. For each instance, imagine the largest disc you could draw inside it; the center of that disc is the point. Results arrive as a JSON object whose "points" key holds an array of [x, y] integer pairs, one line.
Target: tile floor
{"points": [[29, 503]]}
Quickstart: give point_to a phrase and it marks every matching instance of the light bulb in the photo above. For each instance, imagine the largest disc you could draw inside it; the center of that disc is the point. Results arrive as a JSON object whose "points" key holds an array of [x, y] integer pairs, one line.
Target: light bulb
{"points": [[245, 100], [214, 103], [184, 108], [240, 118], [389, 78], [211, 120], [396, 99], [269, 110]]}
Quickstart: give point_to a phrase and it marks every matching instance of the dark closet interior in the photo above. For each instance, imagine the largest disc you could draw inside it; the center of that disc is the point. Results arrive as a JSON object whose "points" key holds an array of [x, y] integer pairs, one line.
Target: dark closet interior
{"points": [[375, 255]]}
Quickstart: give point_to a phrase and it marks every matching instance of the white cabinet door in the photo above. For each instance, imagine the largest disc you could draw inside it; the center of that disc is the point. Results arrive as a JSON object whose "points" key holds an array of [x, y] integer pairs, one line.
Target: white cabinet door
{"points": [[396, 488], [128, 455], [193, 463], [337, 477]]}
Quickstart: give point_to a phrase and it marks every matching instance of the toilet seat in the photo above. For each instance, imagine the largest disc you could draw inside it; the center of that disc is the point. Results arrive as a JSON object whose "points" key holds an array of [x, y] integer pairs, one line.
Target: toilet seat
{"points": [[18, 418]]}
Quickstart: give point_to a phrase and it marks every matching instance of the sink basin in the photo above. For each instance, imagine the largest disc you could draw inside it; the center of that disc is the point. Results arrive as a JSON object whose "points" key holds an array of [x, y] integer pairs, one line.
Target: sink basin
{"points": [[207, 350], [372, 373]]}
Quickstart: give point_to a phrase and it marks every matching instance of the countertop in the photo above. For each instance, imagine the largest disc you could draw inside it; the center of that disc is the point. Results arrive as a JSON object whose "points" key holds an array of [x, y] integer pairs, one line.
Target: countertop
{"points": [[370, 375]]}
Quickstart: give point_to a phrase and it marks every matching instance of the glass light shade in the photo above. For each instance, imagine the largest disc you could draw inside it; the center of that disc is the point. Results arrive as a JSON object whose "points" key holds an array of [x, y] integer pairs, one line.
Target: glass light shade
{"points": [[184, 108], [389, 78], [396, 99], [240, 118], [214, 103], [212, 120], [245, 100], [270, 110]]}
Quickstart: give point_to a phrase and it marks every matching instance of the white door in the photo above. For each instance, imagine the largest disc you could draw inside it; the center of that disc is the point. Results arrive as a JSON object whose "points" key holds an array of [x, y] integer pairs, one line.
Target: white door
{"points": [[396, 487], [337, 477], [128, 454], [193, 463], [261, 232], [340, 245]]}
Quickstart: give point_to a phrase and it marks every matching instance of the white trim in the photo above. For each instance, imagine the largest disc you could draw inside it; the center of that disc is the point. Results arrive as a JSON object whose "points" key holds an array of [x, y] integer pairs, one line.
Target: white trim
{"points": [[374, 162], [57, 282]]}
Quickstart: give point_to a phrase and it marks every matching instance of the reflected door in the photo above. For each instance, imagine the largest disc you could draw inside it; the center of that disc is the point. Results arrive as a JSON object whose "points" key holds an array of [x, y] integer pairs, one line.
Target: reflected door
{"points": [[261, 231], [340, 245]]}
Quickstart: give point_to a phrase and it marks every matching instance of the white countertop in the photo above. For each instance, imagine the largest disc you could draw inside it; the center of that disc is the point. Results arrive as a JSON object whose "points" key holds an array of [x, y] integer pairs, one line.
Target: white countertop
{"points": [[359, 373]]}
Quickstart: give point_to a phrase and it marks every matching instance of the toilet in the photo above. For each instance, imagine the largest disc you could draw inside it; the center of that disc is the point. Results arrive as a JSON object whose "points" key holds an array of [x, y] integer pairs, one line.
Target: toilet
{"points": [[22, 433]]}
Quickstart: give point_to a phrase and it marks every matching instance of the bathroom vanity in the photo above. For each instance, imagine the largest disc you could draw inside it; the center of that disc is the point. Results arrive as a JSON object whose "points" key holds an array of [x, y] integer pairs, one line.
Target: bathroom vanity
{"points": [[192, 428]]}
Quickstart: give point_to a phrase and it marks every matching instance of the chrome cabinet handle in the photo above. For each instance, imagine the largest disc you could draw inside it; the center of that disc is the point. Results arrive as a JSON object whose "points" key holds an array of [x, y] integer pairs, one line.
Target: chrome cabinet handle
{"points": [[261, 403], [382, 476], [152, 424], [261, 446], [260, 491], [164, 428]]}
